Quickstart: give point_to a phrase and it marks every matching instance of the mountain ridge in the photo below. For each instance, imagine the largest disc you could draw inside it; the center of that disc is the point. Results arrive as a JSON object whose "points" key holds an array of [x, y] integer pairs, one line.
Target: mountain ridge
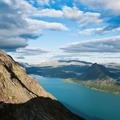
{"points": [[22, 98], [96, 72]]}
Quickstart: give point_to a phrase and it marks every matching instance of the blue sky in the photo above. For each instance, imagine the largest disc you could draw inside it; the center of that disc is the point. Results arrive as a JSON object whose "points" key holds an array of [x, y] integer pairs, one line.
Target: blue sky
{"points": [[34, 31]]}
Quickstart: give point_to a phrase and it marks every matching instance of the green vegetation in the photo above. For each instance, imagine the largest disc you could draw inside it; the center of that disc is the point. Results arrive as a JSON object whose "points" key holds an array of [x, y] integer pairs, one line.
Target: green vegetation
{"points": [[109, 86]]}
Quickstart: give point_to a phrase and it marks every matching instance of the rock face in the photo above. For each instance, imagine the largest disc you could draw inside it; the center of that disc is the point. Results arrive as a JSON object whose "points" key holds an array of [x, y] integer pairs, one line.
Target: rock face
{"points": [[22, 98], [96, 72]]}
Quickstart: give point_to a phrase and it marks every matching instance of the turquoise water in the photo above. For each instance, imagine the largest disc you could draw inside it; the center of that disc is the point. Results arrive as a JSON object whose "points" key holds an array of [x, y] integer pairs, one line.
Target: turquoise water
{"points": [[88, 103]]}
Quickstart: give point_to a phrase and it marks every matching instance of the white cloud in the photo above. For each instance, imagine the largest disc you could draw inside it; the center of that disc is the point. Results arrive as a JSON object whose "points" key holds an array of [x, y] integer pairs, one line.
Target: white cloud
{"points": [[90, 18], [49, 13], [43, 2], [73, 14], [93, 31], [99, 45], [16, 22], [26, 55], [46, 25], [83, 18], [116, 29], [30, 51], [112, 5]]}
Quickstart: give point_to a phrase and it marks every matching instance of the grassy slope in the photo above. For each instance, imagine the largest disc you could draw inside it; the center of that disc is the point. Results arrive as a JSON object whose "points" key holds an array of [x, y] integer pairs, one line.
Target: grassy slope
{"points": [[104, 85]]}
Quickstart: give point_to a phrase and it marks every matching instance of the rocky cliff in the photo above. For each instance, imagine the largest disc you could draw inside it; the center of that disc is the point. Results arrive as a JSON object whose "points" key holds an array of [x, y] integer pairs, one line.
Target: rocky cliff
{"points": [[22, 98]]}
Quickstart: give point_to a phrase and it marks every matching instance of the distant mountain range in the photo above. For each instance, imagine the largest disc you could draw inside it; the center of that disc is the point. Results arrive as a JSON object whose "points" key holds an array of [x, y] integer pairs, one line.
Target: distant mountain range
{"points": [[75, 61], [67, 71], [57, 63], [71, 69], [97, 72], [99, 77]]}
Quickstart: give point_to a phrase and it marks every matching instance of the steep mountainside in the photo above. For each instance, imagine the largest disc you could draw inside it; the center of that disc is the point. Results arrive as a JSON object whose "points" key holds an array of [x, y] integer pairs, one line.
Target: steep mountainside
{"points": [[98, 77], [96, 72], [22, 98]]}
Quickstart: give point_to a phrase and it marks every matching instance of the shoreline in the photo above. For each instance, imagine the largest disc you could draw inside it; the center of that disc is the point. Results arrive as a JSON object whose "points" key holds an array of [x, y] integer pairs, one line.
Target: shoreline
{"points": [[95, 86]]}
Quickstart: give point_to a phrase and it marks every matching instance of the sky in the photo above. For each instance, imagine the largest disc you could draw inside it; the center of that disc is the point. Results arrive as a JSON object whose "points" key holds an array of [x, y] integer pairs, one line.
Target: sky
{"points": [[34, 31]]}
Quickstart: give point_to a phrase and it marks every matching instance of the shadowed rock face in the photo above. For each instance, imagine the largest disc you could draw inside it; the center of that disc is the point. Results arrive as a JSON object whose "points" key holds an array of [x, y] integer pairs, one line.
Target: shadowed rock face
{"points": [[38, 108], [22, 98], [96, 72]]}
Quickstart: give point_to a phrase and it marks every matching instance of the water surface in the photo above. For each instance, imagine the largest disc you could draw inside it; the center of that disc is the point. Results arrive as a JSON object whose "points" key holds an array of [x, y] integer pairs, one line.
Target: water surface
{"points": [[88, 103]]}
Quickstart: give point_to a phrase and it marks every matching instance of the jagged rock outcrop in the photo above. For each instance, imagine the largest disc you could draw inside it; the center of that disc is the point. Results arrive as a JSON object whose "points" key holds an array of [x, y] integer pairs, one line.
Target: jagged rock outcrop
{"points": [[22, 98], [15, 85], [96, 72]]}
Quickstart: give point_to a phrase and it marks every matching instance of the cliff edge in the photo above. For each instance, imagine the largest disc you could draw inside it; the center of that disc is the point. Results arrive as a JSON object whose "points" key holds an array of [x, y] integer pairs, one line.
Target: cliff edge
{"points": [[22, 98]]}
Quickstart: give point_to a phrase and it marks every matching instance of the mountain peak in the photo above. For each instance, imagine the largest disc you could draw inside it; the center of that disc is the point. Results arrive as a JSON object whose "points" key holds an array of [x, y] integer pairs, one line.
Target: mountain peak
{"points": [[96, 72], [94, 64]]}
